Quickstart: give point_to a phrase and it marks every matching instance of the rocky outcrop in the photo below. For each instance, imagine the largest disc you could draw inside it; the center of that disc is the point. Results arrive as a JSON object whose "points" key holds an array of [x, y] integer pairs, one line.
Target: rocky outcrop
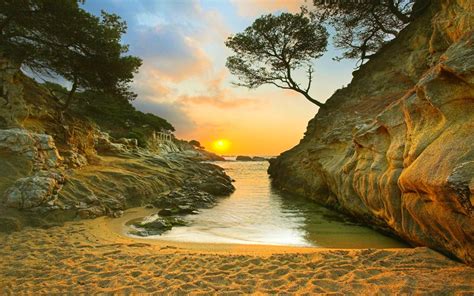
{"points": [[395, 147], [57, 166], [13, 109], [243, 158]]}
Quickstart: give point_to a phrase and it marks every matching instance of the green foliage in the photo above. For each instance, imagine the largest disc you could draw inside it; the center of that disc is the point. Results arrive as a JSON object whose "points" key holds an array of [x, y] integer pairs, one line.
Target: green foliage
{"points": [[273, 47], [363, 27], [119, 117], [196, 144], [57, 38]]}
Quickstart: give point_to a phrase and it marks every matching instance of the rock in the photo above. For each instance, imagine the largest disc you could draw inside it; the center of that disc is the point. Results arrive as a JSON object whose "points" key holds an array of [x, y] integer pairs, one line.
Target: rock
{"points": [[91, 212], [395, 147], [73, 159], [178, 210], [258, 158], [243, 158], [33, 191], [130, 143], [180, 199], [104, 144], [155, 225], [38, 148], [116, 214], [9, 224], [14, 109], [216, 187]]}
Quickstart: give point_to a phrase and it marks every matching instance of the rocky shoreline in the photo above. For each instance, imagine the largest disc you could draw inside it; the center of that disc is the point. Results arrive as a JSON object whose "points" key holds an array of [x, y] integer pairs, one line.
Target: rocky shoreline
{"points": [[56, 167], [45, 192], [394, 148]]}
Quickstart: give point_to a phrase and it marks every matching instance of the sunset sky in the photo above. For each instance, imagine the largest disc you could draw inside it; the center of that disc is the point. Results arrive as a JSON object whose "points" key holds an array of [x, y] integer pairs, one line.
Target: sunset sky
{"points": [[184, 78]]}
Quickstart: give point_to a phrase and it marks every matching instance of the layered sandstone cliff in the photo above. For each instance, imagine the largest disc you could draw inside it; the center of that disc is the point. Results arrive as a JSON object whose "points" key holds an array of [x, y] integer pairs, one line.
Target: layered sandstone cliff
{"points": [[395, 147]]}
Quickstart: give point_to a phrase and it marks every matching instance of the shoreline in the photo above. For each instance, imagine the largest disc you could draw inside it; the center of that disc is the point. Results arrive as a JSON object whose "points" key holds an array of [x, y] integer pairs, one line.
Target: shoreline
{"points": [[86, 257], [114, 229]]}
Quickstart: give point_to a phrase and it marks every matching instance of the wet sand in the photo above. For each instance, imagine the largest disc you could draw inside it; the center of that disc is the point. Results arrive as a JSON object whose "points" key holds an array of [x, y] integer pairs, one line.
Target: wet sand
{"points": [[95, 257]]}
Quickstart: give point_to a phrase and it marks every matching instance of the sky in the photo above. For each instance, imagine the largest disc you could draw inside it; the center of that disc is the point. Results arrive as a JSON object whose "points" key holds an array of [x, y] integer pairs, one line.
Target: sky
{"points": [[184, 79]]}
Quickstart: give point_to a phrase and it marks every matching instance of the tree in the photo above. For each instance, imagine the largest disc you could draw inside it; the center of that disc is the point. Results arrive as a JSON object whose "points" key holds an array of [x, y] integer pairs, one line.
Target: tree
{"points": [[273, 47], [363, 27], [196, 144], [57, 38]]}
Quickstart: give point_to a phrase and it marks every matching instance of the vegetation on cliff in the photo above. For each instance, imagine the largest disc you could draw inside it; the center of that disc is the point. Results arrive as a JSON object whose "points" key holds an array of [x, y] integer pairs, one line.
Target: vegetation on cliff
{"points": [[273, 47], [60, 40]]}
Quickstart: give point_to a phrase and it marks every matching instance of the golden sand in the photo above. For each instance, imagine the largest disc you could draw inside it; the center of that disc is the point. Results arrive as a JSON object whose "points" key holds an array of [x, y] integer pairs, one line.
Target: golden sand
{"points": [[95, 257]]}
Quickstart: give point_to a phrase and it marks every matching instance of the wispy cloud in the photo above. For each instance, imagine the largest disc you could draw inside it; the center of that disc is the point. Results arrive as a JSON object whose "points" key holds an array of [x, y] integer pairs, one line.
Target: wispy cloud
{"points": [[257, 7], [218, 95]]}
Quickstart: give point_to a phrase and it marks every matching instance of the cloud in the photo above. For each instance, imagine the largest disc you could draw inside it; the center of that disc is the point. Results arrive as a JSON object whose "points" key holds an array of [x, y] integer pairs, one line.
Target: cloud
{"points": [[257, 7], [218, 96]]}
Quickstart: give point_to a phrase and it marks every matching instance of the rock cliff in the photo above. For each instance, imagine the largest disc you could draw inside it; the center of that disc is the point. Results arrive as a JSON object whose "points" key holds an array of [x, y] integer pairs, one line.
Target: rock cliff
{"points": [[58, 166], [395, 147]]}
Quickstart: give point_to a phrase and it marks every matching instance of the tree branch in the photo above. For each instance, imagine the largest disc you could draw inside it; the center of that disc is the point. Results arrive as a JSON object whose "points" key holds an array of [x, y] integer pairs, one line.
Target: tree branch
{"points": [[310, 76], [394, 9]]}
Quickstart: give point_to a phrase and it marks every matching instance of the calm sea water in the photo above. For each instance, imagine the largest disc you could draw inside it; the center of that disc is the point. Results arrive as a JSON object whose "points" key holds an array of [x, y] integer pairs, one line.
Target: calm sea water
{"points": [[256, 213]]}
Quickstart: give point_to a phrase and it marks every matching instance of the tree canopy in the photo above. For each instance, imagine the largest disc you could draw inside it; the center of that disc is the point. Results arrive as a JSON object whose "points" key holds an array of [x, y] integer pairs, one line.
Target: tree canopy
{"points": [[273, 47], [362, 27], [57, 38]]}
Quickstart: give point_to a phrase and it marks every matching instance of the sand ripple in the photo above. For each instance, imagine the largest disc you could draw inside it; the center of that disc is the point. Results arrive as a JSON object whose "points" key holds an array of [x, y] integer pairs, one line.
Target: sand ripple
{"points": [[71, 259]]}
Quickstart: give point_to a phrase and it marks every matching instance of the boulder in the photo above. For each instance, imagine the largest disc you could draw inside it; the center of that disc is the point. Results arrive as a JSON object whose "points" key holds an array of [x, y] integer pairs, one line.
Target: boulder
{"points": [[104, 144], [155, 225], [33, 191], [38, 148]]}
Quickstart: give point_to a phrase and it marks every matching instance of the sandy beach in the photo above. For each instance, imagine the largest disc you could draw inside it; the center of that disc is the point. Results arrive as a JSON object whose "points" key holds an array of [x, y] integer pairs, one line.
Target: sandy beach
{"points": [[94, 256]]}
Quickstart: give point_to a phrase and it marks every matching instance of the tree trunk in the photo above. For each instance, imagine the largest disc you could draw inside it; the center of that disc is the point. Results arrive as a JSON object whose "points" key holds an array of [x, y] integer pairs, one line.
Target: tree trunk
{"points": [[316, 102], [70, 96]]}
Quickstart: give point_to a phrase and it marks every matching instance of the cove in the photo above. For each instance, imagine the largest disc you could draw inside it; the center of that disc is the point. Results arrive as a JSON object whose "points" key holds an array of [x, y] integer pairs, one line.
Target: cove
{"points": [[256, 213]]}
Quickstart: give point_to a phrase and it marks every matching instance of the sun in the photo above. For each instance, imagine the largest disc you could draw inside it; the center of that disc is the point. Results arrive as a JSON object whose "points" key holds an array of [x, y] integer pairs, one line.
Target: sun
{"points": [[220, 145]]}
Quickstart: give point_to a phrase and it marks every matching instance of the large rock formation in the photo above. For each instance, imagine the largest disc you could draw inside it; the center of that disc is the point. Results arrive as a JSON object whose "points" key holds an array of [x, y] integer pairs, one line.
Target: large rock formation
{"points": [[57, 166], [395, 147]]}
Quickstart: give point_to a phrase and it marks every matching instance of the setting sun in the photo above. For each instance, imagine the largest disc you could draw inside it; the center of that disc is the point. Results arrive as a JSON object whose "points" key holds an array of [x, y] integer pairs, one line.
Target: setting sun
{"points": [[220, 145]]}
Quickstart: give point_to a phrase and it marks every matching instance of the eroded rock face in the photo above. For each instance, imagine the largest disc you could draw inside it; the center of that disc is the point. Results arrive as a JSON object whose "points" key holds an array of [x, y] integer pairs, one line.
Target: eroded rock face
{"points": [[395, 147], [39, 148], [33, 191], [41, 180], [13, 108]]}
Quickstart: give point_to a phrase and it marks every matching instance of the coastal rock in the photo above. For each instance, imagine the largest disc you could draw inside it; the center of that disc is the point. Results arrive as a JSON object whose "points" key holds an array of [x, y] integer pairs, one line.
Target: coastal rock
{"points": [[38, 148], [394, 148], [73, 159], [178, 210], [104, 144], [185, 197], [13, 109], [33, 191], [258, 158], [243, 158], [155, 225], [91, 212]]}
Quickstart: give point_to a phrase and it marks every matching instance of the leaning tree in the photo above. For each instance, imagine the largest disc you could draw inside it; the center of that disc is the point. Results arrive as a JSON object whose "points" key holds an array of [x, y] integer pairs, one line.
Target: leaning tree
{"points": [[58, 39], [273, 48]]}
